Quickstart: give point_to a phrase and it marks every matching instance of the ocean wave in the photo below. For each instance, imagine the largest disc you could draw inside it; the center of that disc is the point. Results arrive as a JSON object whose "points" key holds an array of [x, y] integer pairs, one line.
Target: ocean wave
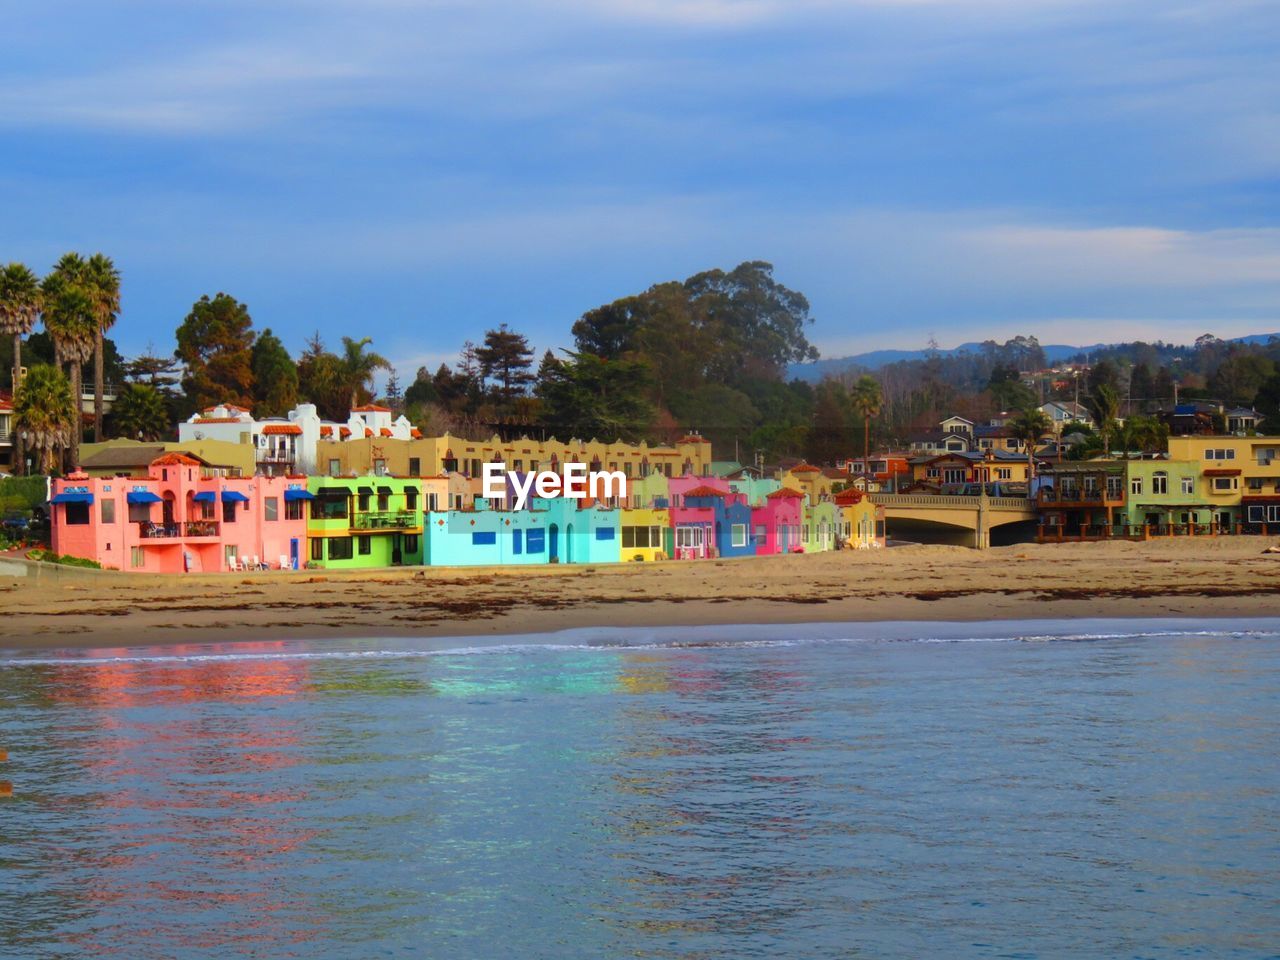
{"points": [[623, 639]]}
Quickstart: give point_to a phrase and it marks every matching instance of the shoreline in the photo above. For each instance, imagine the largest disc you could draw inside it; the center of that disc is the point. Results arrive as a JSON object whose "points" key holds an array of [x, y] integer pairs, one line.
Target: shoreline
{"points": [[1210, 579]]}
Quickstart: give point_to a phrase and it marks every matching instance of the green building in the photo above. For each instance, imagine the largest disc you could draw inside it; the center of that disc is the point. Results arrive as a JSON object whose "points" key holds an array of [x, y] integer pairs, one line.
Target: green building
{"points": [[360, 522], [1164, 493]]}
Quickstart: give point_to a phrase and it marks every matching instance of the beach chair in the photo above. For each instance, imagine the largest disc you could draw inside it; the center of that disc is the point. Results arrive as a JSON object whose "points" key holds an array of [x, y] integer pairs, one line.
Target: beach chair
{"points": [[284, 561], [233, 564], [253, 563]]}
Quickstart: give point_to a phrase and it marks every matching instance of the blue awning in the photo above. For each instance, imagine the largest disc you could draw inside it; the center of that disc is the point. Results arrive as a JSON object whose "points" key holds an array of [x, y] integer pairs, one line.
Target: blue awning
{"points": [[73, 498], [141, 496], [231, 496], [299, 495], [205, 496]]}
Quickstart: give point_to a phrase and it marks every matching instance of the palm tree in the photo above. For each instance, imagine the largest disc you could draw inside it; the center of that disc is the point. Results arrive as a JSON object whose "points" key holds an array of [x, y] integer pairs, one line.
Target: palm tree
{"points": [[358, 366], [1029, 426], [867, 400], [20, 302], [70, 319], [140, 412], [45, 415], [102, 280], [1104, 404]]}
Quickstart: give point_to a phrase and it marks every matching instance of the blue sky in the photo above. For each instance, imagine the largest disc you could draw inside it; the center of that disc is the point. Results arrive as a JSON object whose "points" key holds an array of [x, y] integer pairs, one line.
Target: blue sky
{"points": [[418, 171]]}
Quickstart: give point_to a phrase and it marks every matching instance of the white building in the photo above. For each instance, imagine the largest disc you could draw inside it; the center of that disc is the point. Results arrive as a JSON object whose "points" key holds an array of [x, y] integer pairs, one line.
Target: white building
{"points": [[287, 445]]}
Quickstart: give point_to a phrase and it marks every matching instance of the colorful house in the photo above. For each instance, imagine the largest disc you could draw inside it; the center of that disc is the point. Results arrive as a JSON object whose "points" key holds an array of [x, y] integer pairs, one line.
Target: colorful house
{"points": [[645, 534], [818, 527], [359, 522], [580, 531], [484, 537], [755, 490], [861, 522], [1172, 494], [174, 519], [1081, 499], [810, 480], [776, 522]]}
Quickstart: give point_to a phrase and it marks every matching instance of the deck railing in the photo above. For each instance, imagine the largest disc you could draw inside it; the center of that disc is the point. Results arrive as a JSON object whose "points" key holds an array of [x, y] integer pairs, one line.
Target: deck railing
{"points": [[149, 530], [389, 520]]}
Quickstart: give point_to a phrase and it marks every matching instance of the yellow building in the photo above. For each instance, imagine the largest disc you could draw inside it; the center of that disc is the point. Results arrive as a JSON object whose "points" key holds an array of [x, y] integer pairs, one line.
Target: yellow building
{"points": [[1239, 476], [809, 480], [431, 456], [646, 534], [861, 521]]}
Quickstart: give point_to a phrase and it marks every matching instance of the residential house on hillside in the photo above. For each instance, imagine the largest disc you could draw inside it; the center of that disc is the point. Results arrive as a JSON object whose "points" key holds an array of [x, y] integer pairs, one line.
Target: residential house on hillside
{"points": [[364, 522], [1081, 500]]}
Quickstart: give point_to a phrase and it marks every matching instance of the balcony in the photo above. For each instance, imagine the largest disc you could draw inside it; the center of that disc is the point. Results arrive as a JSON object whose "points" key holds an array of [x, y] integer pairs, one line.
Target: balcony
{"points": [[191, 530], [1080, 497], [276, 456], [406, 520]]}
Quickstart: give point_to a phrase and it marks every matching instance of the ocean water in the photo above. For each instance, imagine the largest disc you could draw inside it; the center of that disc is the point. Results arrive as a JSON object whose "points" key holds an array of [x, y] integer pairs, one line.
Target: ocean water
{"points": [[965, 790]]}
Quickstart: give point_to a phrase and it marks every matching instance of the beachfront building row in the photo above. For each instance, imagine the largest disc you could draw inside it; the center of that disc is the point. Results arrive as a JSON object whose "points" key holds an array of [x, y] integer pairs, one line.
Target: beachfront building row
{"points": [[181, 516], [1208, 485]]}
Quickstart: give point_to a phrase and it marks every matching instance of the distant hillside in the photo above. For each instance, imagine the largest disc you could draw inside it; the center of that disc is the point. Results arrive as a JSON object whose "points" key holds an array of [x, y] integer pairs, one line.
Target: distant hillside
{"points": [[874, 359]]}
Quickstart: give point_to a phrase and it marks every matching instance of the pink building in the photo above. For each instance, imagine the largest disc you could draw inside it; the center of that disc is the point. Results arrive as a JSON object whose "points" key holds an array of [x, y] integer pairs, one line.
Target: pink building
{"points": [[679, 487], [175, 519], [777, 522]]}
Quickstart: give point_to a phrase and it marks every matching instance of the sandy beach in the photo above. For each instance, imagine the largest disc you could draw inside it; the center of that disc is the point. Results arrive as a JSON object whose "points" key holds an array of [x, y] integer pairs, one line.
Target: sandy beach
{"points": [[1204, 578]]}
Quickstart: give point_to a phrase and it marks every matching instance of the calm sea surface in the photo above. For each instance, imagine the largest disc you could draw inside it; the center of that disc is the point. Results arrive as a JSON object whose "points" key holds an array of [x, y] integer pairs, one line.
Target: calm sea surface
{"points": [[859, 793]]}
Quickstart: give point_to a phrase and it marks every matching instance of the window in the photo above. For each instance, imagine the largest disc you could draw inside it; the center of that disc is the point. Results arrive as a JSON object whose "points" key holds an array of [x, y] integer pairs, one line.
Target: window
{"points": [[138, 512], [517, 541], [293, 509], [688, 536], [317, 549], [411, 498], [340, 548], [228, 511], [1223, 484], [805, 534], [335, 467], [762, 533], [1273, 513], [738, 534], [535, 541], [384, 503], [77, 514], [433, 502], [655, 537], [629, 537], [410, 543], [605, 533], [362, 503], [1159, 483], [1135, 486], [271, 508], [415, 466], [230, 552], [1257, 514], [137, 558], [953, 475], [206, 510], [480, 539], [1188, 485], [364, 544], [109, 510], [380, 467]]}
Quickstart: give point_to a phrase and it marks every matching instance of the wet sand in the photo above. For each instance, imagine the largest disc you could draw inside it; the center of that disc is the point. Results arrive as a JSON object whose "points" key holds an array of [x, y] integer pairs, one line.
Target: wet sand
{"points": [[1220, 577]]}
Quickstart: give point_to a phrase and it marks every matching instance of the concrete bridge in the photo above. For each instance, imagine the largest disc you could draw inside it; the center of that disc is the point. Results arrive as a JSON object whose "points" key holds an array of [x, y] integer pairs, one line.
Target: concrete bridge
{"points": [[954, 519]]}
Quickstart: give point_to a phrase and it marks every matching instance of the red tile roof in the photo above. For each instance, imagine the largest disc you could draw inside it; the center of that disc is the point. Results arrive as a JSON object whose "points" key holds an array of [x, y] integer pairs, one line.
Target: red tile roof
{"points": [[415, 433], [848, 497], [805, 468], [326, 431], [219, 420], [692, 438], [371, 408], [704, 491], [385, 432], [785, 493], [368, 431], [175, 459], [344, 431], [288, 428]]}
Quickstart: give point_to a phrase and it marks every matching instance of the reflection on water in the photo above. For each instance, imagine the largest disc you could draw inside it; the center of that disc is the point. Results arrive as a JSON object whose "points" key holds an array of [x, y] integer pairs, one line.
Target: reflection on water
{"points": [[1111, 798]]}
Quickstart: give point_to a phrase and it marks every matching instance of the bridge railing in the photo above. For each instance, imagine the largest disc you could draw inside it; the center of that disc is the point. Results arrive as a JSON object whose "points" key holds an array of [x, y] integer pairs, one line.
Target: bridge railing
{"points": [[933, 500]]}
